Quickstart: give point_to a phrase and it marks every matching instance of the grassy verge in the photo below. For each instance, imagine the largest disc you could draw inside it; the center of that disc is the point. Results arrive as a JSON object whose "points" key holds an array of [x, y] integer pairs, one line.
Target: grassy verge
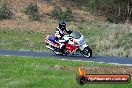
{"points": [[21, 40], [28, 72], [104, 38], [108, 39]]}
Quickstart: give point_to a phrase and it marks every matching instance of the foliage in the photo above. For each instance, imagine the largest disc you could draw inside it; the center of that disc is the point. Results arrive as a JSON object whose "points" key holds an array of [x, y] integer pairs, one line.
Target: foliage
{"points": [[5, 12], [114, 10], [68, 14], [33, 12], [57, 13]]}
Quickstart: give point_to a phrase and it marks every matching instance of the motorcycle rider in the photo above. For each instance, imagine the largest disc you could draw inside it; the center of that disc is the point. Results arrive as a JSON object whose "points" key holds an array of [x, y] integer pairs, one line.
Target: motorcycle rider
{"points": [[59, 33]]}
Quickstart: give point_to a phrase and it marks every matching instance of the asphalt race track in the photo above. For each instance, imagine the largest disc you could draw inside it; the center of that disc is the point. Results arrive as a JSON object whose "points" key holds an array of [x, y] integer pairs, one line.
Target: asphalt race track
{"points": [[107, 59]]}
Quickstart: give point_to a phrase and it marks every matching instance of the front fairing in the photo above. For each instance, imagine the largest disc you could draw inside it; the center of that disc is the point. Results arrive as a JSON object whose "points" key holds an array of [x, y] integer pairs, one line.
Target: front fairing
{"points": [[80, 40]]}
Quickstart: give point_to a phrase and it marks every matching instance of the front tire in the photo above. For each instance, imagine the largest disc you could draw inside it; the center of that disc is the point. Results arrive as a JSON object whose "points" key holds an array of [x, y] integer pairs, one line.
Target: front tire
{"points": [[87, 52]]}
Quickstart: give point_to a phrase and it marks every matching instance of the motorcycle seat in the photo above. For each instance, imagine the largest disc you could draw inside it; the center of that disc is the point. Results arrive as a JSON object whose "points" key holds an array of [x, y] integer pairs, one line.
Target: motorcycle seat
{"points": [[52, 38]]}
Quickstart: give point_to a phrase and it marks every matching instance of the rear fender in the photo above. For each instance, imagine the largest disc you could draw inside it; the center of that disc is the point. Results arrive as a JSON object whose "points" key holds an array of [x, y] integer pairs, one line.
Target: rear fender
{"points": [[51, 43]]}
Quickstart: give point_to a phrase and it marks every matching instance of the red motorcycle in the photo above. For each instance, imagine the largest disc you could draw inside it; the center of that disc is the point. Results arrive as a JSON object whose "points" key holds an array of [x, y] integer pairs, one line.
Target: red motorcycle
{"points": [[76, 43]]}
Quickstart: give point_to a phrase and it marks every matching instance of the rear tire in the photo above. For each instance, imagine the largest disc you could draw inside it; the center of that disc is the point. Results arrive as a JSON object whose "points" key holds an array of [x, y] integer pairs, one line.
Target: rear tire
{"points": [[87, 52]]}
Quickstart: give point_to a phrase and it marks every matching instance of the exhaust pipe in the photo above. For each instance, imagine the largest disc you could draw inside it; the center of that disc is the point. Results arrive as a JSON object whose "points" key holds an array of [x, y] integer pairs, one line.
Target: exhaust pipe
{"points": [[49, 48]]}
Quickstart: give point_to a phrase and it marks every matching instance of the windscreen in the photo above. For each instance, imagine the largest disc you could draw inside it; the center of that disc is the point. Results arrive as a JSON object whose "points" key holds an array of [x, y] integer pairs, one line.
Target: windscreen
{"points": [[75, 34]]}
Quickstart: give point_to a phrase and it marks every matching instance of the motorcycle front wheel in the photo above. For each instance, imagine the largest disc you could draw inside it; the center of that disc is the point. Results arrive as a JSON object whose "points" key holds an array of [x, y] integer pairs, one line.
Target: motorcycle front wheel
{"points": [[87, 52]]}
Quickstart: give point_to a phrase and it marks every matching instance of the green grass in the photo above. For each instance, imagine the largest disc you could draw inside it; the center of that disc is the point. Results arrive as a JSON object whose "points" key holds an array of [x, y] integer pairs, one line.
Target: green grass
{"points": [[21, 40], [105, 39], [28, 72], [108, 39]]}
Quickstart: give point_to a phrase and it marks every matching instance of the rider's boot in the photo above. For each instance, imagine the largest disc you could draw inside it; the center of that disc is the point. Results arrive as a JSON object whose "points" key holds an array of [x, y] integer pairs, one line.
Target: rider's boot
{"points": [[62, 48]]}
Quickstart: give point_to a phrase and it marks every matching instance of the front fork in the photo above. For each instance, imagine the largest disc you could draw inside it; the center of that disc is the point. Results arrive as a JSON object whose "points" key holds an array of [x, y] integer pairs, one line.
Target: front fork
{"points": [[83, 46]]}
